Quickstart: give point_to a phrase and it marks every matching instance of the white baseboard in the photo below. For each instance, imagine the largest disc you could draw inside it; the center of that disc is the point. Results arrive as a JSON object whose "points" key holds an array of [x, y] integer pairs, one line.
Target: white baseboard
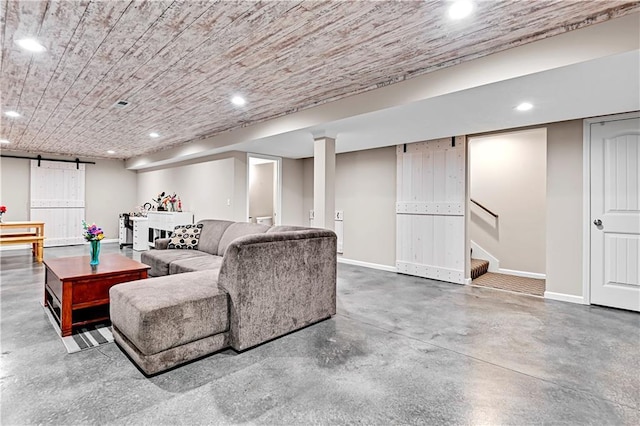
{"points": [[468, 281], [564, 297], [523, 274], [367, 264], [16, 247]]}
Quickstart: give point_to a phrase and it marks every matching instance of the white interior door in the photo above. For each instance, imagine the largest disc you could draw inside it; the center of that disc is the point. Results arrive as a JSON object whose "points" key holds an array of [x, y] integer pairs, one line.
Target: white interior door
{"points": [[615, 213], [431, 209], [57, 199]]}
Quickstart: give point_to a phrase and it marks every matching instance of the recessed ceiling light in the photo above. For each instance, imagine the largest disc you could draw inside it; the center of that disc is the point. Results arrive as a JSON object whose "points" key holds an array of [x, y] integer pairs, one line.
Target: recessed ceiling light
{"points": [[525, 106], [154, 135], [460, 9], [4, 141], [238, 100], [12, 114], [31, 45], [111, 151]]}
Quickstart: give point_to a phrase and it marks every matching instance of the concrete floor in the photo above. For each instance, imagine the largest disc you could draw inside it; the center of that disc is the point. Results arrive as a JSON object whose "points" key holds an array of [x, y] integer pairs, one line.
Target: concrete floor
{"points": [[401, 350]]}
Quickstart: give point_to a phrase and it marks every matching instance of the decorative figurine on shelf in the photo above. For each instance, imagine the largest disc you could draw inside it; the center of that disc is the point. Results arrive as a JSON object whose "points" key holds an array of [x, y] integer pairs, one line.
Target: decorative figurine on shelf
{"points": [[159, 200], [168, 202], [3, 210], [172, 203]]}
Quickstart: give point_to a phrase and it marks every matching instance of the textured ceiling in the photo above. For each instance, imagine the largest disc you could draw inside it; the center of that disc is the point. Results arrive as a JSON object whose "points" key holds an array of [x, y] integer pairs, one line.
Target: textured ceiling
{"points": [[179, 62]]}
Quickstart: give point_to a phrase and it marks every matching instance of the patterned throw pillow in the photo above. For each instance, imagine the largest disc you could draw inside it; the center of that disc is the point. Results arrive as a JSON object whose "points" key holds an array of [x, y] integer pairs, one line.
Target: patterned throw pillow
{"points": [[185, 237]]}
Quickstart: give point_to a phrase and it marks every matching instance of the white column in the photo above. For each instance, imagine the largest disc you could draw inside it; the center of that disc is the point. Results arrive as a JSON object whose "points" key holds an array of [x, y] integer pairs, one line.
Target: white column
{"points": [[324, 171]]}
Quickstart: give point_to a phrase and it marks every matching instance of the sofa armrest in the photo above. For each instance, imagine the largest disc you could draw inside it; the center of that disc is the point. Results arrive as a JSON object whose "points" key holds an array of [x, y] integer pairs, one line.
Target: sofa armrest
{"points": [[161, 243], [278, 282]]}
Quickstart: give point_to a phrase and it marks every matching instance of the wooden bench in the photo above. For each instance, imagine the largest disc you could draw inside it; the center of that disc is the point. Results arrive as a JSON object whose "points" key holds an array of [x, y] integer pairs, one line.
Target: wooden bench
{"points": [[18, 234], [37, 243], [35, 238]]}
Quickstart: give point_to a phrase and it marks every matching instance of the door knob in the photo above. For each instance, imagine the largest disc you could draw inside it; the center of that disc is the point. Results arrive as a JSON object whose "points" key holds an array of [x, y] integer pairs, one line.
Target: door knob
{"points": [[597, 222]]}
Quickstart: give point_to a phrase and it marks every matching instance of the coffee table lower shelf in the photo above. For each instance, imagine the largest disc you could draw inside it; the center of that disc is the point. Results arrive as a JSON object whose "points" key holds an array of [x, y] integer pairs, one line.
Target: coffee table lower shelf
{"points": [[79, 316]]}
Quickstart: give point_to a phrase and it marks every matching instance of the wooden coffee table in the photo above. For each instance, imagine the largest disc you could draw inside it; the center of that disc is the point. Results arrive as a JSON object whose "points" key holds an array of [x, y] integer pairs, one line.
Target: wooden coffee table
{"points": [[78, 294]]}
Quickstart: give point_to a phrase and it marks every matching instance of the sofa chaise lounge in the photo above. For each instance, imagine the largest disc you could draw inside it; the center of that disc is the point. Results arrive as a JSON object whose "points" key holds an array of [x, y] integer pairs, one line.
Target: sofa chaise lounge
{"points": [[243, 285]]}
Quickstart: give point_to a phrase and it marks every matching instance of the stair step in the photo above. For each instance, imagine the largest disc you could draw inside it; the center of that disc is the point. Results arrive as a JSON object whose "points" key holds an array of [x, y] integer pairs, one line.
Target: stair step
{"points": [[479, 267]]}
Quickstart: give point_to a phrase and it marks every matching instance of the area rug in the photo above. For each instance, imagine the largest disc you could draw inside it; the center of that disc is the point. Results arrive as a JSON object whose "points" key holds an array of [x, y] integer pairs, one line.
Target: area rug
{"points": [[530, 286], [84, 338]]}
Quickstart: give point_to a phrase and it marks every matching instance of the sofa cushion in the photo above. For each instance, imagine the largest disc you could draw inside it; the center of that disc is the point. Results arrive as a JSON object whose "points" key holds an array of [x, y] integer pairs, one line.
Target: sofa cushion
{"points": [[161, 313], [212, 231], [185, 237], [200, 263], [239, 229], [159, 260]]}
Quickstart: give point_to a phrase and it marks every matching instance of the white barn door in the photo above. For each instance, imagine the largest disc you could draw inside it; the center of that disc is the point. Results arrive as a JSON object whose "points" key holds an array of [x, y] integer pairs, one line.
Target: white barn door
{"points": [[431, 210], [57, 199], [615, 213]]}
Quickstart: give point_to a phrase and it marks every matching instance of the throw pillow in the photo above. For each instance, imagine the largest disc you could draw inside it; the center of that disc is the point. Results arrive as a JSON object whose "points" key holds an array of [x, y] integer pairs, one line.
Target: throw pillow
{"points": [[185, 237]]}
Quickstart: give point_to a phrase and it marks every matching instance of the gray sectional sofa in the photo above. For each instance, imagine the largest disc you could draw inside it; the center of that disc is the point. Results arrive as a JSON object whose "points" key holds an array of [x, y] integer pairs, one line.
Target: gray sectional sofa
{"points": [[245, 284]]}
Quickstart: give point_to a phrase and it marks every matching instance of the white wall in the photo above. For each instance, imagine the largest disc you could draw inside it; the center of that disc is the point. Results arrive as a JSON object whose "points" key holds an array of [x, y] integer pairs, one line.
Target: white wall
{"points": [[213, 189], [110, 190], [508, 176], [366, 193]]}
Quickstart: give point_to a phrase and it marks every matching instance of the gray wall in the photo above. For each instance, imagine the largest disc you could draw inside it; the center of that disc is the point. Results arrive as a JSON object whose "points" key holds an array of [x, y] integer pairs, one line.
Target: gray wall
{"points": [[210, 189], [15, 178], [292, 193], [365, 184], [564, 207], [261, 189], [216, 187], [365, 190], [366, 193], [108, 191], [307, 183], [507, 174]]}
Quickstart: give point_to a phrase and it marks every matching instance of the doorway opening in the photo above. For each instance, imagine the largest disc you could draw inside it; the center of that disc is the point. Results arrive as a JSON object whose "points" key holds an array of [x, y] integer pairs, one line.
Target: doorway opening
{"points": [[507, 205], [264, 183]]}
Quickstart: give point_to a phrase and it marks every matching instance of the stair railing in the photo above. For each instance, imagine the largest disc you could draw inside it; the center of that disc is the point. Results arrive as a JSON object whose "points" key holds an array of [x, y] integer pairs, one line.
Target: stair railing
{"points": [[483, 208]]}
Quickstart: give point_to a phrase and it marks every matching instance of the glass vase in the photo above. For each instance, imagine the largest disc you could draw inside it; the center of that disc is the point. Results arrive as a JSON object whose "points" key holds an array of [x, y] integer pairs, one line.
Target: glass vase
{"points": [[95, 252]]}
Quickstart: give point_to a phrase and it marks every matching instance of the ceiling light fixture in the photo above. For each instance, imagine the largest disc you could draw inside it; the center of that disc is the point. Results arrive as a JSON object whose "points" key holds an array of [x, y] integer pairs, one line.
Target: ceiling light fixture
{"points": [[30, 44], [525, 106], [111, 151], [12, 114], [154, 135], [4, 141], [238, 100], [460, 9]]}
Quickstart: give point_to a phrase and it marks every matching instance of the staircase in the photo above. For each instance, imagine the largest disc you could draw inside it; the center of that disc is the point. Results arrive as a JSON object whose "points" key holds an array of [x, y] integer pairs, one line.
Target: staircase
{"points": [[479, 267]]}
